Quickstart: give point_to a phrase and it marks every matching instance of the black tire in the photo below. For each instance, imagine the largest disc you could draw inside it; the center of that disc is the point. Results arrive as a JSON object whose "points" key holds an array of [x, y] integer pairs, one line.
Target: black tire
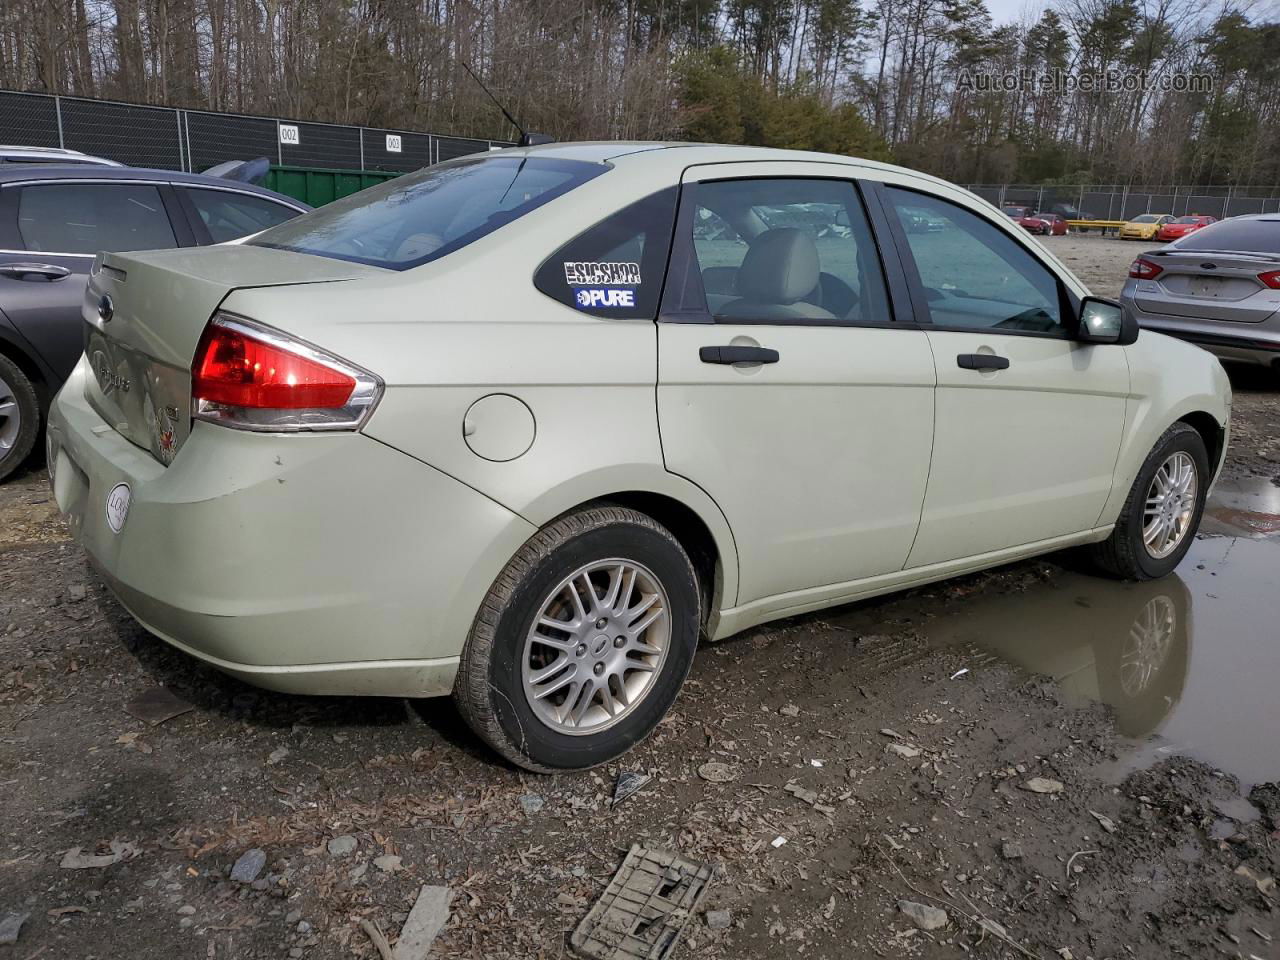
{"points": [[1123, 554], [17, 389], [489, 689]]}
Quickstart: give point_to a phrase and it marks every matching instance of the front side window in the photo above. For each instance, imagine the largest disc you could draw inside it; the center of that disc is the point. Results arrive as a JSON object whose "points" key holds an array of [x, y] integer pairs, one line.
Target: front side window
{"points": [[229, 216], [615, 269], [974, 274], [779, 251], [88, 217], [426, 215]]}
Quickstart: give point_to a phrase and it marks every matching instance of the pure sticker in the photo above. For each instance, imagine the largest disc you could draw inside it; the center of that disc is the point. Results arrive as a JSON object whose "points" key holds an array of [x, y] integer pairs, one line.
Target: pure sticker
{"points": [[588, 274], [118, 501], [587, 297]]}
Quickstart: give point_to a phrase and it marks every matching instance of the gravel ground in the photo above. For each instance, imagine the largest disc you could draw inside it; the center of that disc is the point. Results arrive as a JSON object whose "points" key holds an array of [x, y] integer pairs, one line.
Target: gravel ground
{"points": [[896, 770]]}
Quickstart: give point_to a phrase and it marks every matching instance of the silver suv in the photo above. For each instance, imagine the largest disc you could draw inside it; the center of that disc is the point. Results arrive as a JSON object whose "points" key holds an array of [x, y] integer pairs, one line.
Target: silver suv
{"points": [[1218, 287], [10, 153]]}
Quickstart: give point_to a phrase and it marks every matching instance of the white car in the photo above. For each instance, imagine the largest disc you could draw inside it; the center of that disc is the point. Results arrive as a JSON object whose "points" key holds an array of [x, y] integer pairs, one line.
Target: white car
{"points": [[522, 427]]}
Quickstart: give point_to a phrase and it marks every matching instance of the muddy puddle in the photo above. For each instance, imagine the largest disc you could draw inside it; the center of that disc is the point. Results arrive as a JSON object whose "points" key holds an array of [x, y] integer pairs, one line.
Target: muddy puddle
{"points": [[1190, 664]]}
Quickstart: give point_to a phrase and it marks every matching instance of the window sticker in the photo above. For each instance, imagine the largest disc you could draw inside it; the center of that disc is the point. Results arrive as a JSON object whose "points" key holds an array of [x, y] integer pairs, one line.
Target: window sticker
{"points": [[590, 297], [586, 274]]}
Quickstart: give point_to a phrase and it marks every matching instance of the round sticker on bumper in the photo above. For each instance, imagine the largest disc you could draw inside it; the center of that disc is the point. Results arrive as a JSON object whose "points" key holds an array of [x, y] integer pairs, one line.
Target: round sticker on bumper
{"points": [[118, 501]]}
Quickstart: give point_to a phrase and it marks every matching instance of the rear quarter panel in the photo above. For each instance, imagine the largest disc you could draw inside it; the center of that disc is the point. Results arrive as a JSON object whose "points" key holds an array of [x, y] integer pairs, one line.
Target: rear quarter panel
{"points": [[451, 332]]}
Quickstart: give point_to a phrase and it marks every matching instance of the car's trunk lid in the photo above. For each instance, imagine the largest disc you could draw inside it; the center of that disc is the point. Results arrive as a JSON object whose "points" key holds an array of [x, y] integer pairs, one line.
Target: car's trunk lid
{"points": [[1205, 284], [145, 313]]}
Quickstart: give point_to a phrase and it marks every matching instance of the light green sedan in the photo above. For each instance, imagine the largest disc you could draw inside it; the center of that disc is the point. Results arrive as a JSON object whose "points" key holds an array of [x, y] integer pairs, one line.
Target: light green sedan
{"points": [[523, 428]]}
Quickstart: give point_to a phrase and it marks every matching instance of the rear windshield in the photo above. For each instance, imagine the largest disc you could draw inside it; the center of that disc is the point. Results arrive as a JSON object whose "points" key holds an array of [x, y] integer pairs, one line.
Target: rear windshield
{"points": [[1247, 236], [425, 215]]}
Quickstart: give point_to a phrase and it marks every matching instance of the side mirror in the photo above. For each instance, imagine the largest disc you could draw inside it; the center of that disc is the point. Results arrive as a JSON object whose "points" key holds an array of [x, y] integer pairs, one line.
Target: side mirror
{"points": [[1105, 321]]}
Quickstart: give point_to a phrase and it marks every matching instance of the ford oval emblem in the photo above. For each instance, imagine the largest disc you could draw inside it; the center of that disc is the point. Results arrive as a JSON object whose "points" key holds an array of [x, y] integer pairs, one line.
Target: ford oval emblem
{"points": [[106, 309]]}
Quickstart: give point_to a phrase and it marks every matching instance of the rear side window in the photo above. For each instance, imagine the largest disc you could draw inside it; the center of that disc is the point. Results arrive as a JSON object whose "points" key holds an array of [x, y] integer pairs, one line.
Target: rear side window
{"points": [[615, 268], [1246, 236], [229, 216], [88, 217], [775, 251], [426, 215]]}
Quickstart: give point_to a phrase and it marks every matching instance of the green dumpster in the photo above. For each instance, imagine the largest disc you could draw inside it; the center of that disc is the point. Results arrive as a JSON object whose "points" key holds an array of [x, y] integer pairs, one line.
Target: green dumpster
{"points": [[318, 186]]}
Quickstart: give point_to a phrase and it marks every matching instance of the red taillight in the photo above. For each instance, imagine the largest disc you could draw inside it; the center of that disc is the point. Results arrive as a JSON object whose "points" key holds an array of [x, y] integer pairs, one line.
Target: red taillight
{"points": [[252, 377], [1271, 279], [237, 370], [1142, 269]]}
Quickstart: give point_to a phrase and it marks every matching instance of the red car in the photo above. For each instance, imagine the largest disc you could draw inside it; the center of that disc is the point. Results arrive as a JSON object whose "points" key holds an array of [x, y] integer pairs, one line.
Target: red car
{"points": [[1182, 226], [1034, 222], [1057, 224]]}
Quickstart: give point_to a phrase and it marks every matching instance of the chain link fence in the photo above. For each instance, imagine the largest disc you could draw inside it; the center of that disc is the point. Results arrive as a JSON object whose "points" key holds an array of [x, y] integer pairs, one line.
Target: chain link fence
{"points": [[1123, 202], [194, 140]]}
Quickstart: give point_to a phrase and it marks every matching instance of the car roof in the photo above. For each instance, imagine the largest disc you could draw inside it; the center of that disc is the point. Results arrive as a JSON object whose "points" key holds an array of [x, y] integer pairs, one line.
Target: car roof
{"points": [[29, 173], [677, 155]]}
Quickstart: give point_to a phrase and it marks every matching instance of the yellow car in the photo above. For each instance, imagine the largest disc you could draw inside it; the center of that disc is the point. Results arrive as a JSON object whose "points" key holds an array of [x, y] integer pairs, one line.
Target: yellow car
{"points": [[1144, 227]]}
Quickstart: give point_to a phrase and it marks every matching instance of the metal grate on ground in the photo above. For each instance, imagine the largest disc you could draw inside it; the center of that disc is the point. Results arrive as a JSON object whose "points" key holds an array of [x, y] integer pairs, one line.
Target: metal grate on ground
{"points": [[645, 908]]}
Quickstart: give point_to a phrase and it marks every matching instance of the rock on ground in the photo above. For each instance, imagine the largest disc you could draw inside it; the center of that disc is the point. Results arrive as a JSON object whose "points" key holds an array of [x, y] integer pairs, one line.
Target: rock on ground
{"points": [[11, 926], [250, 864], [922, 915], [342, 846], [719, 919]]}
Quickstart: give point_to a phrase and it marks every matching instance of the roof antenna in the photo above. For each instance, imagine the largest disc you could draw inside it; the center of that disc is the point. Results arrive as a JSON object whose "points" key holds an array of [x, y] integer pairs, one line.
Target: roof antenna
{"points": [[526, 139]]}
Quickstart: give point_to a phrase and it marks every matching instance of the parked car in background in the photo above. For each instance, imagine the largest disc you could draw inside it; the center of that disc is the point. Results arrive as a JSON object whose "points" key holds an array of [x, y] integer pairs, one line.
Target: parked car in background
{"points": [[10, 153], [1026, 219], [1057, 224], [1144, 227], [1218, 287], [1182, 226], [1069, 211], [53, 220], [522, 427]]}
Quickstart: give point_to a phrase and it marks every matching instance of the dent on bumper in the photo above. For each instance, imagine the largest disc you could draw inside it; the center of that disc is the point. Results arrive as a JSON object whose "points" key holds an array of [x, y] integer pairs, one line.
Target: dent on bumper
{"points": [[326, 563]]}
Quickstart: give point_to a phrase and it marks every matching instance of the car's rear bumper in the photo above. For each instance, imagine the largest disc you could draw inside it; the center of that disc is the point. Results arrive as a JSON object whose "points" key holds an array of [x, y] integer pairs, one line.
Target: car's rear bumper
{"points": [[1256, 343], [326, 563]]}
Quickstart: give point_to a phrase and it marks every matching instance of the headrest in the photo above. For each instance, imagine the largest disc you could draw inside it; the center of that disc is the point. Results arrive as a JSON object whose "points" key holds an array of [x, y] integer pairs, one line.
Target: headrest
{"points": [[780, 267]]}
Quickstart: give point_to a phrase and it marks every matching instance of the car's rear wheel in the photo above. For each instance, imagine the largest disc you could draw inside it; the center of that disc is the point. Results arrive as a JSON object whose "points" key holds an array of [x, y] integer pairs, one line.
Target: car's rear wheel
{"points": [[582, 643], [19, 417], [1160, 516]]}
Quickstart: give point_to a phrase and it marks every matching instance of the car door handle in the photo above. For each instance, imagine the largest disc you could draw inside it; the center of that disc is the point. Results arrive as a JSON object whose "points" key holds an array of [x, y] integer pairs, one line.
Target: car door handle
{"points": [[981, 361], [34, 271], [737, 355]]}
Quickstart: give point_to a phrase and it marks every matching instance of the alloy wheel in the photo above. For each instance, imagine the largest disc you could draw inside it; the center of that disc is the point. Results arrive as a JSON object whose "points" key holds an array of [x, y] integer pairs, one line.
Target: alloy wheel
{"points": [[596, 646], [1170, 506], [10, 418]]}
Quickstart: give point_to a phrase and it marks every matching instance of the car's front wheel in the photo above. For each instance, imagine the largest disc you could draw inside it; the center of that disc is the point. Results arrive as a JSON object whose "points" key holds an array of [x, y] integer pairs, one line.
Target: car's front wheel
{"points": [[583, 642], [19, 416], [1160, 516]]}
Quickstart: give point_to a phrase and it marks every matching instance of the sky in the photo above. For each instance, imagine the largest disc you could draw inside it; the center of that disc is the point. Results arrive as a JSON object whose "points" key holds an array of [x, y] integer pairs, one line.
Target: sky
{"points": [[1010, 11]]}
